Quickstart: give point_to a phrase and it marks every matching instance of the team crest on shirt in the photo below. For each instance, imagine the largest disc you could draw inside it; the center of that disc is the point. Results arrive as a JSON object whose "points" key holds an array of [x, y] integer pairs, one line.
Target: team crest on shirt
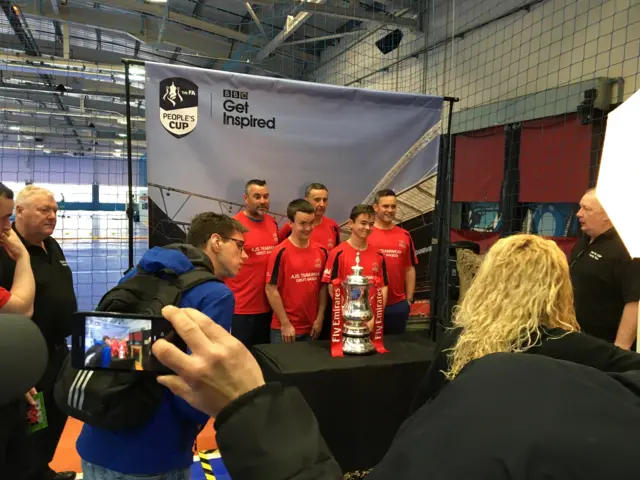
{"points": [[375, 268], [401, 244], [330, 244], [318, 263], [275, 237]]}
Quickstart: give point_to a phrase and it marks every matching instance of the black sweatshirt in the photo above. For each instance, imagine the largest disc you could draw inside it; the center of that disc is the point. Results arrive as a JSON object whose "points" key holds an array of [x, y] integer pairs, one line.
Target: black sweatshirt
{"points": [[507, 416]]}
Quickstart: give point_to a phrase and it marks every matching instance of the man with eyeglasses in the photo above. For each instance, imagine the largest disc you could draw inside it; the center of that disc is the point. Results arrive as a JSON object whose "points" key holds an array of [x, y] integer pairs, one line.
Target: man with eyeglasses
{"points": [[252, 315], [214, 242]]}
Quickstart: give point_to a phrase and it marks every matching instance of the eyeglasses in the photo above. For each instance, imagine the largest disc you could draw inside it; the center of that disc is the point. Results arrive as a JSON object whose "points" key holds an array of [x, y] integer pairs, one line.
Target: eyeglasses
{"points": [[239, 243]]}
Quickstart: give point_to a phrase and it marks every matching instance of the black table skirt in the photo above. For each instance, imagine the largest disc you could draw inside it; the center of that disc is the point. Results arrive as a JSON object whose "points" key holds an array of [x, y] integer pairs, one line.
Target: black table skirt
{"points": [[359, 401]]}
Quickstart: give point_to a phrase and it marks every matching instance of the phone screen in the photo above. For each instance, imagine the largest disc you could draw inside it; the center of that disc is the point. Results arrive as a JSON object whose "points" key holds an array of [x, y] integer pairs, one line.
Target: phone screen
{"points": [[121, 342]]}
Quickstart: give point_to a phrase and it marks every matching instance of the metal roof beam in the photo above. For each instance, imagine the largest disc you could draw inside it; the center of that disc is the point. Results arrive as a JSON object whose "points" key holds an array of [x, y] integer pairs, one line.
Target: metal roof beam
{"points": [[255, 18], [323, 38], [189, 21], [357, 14], [12, 88], [145, 31], [292, 24], [65, 113]]}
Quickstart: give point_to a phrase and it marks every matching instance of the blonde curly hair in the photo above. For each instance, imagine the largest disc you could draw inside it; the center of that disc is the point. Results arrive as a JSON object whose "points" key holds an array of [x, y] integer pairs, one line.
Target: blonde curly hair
{"points": [[522, 284]]}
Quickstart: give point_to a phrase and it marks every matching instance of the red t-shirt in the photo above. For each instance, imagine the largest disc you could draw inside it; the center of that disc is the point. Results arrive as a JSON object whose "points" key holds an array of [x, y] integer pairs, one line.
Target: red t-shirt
{"points": [[248, 285], [343, 257], [399, 253], [327, 234], [115, 347], [297, 272], [5, 295]]}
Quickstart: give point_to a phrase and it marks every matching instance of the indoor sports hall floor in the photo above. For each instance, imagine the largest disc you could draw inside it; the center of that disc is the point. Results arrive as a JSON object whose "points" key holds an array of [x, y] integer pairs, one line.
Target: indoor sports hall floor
{"points": [[96, 247]]}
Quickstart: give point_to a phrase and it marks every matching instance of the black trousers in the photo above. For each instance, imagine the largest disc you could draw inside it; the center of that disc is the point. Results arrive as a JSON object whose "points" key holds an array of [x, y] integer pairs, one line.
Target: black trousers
{"points": [[13, 440], [41, 445], [252, 329]]}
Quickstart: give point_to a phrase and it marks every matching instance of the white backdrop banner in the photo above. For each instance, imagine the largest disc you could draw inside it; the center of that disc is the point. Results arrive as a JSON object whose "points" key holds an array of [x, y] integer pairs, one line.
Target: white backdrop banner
{"points": [[208, 132]]}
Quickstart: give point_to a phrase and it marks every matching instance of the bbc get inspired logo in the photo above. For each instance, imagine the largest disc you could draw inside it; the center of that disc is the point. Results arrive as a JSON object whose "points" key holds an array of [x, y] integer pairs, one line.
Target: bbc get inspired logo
{"points": [[178, 106]]}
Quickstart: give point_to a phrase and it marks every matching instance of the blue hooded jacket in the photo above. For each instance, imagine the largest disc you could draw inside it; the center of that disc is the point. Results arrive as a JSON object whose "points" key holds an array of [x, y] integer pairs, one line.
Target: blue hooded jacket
{"points": [[165, 443]]}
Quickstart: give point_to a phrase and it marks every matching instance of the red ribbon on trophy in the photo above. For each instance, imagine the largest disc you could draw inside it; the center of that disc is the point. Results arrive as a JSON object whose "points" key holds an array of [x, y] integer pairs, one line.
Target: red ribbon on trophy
{"points": [[336, 319], [378, 317]]}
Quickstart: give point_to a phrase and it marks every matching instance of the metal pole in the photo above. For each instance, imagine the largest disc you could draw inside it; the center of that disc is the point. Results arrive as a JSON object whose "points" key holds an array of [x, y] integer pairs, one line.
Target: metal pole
{"points": [[127, 86], [442, 234]]}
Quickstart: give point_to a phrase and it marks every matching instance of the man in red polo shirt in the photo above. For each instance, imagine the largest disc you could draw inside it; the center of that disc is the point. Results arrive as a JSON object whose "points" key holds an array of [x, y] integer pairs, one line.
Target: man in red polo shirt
{"points": [[326, 231], [396, 245], [294, 290], [252, 314], [343, 257]]}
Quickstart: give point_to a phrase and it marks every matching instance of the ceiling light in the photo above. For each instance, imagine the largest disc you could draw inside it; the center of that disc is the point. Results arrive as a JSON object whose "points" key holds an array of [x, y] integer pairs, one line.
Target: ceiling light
{"points": [[156, 1], [15, 128], [46, 150], [122, 135], [117, 155], [118, 150], [118, 142], [39, 145]]}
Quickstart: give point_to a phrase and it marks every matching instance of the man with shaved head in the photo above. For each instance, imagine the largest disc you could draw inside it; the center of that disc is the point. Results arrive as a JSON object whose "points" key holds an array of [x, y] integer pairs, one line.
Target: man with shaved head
{"points": [[606, 281], [55, 302]]}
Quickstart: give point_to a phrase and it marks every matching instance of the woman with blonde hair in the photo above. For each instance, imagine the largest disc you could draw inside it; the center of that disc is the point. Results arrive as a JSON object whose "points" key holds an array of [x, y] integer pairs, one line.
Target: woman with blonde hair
{"points": [[520, 301]]}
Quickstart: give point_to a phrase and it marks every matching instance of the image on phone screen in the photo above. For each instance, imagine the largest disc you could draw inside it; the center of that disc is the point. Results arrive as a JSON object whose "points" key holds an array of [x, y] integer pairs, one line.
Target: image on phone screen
{"points": [[118, 342]]}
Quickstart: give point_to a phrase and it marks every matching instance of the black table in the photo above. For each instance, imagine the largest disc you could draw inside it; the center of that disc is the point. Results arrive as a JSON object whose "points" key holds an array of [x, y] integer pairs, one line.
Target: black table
{"points": [[359, 401]]}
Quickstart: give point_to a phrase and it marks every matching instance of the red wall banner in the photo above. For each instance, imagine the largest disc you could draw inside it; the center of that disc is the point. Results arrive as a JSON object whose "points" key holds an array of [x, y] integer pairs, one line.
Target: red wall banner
{"points": [[478, 167], [555, 158]]}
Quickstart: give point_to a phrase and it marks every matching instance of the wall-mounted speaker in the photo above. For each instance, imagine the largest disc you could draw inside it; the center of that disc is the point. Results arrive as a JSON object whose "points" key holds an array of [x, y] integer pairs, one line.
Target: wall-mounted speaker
{"points": [[390, 41]]}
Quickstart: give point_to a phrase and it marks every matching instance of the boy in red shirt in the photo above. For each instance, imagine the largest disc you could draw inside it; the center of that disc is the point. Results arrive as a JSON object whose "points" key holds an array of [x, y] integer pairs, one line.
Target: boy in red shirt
{"points": [[294, 290], [396, 245], [326, 231], [343, 257], [252, 313]]}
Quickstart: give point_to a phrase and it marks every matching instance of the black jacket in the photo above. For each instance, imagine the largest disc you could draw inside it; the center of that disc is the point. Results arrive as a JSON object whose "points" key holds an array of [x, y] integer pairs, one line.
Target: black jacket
{"points": [[555, 343], [506, 416]]}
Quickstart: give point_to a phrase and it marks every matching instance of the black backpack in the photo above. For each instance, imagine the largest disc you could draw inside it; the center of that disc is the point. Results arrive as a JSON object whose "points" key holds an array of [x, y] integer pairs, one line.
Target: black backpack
{"points": [[122, 400]]}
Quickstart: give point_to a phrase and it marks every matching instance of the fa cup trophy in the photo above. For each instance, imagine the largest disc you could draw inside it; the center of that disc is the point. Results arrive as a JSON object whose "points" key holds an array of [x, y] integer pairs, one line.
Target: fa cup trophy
{"points": [[356, 312]]}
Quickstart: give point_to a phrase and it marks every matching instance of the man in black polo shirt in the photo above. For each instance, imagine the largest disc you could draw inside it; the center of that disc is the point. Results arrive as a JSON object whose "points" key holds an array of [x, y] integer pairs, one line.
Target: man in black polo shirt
{"points": [[606, 281], [55, 301]]}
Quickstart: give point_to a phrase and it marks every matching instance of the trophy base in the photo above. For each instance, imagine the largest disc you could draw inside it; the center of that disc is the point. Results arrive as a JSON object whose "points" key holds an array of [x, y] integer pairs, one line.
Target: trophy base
{"points": [[357, 345]]}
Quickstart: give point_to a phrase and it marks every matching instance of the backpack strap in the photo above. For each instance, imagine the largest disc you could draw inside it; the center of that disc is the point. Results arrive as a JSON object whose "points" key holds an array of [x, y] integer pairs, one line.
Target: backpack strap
{"points": [[195, 277]]}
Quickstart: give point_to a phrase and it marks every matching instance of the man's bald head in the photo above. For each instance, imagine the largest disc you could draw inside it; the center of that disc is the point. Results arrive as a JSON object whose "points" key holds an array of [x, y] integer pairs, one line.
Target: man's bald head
{"points": [[593, 219]]}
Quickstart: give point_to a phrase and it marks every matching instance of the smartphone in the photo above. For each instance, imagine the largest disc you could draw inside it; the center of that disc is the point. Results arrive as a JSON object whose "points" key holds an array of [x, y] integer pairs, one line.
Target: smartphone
{"points": [[118, 341]]}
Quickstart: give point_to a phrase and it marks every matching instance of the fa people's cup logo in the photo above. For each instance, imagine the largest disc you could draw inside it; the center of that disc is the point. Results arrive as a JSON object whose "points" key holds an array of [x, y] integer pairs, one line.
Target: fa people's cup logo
{"points": [[178, 106]]}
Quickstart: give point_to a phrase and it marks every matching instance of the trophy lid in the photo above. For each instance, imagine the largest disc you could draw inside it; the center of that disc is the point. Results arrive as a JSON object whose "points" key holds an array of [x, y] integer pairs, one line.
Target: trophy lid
{"points": [[357, 278]]}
